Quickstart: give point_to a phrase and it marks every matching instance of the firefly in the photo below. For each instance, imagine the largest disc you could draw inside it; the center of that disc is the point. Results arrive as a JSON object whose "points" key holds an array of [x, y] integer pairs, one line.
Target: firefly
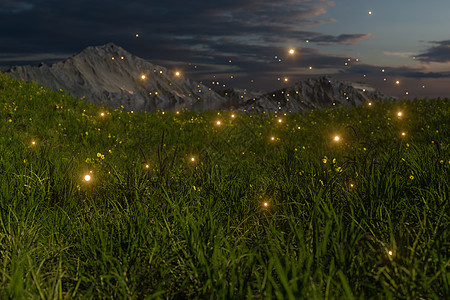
{"points": [[285, 79], [370, 103], [310, 68], [399, 114], [87, 178], [370, 12], [232, 116], [218, 123], [142, 76], [272, 138], [192, 159], [279, 120], [397, 82], [33, 143], [291, 51], [177, 74], [102, 114], [403, 133], [337, 138], [147, 166], [390, 252], [137, 35], [266, 204]]}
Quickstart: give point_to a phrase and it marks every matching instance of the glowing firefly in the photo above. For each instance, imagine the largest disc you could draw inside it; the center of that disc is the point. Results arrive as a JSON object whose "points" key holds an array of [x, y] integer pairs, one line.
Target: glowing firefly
{"points": [[87, 178], [142, 76], [192, 159], [177, 74], [102, 114], [397, 82], [218, 123], [266, 204], [390, 252], [399, 114], [370, 12], [291, 51], [403, 133], [337, 138], [33, 143]]}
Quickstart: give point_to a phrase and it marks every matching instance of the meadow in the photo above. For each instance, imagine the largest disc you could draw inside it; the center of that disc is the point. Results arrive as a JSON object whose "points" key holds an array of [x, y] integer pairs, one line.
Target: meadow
{"points": [[342, 202]]}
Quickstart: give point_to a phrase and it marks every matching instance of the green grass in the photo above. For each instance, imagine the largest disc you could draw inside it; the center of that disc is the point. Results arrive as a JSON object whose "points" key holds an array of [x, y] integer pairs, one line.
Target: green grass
{"points": [[200, 229]]}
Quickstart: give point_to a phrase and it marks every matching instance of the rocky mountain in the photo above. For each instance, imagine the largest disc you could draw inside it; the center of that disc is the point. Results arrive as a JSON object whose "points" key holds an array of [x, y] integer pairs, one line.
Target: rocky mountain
{"points": [[113, 77], [311, 94], [110, 76]]}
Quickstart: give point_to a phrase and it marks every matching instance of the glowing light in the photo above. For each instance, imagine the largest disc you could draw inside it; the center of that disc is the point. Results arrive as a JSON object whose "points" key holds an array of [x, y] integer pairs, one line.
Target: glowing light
{"points": [[370, 12], [399, 114], [87, 178], [310, 68], [291, 51], [142, 76], [307, 41], [390, 252], [147, 166], [403, 133], [272, 138], [266, 204], [397, 82], [102, 114], [407, 93], [137, 35], [337, 138], [232, 116], [352, 185], [279, 120], [218, 123], [370, 103], [285, 79], [192, 159], [177, 74], [33, 143]]}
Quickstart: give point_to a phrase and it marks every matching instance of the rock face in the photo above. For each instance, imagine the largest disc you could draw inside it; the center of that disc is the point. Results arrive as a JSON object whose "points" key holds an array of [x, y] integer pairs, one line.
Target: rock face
{"points": [[110, 76], [311, 94]]}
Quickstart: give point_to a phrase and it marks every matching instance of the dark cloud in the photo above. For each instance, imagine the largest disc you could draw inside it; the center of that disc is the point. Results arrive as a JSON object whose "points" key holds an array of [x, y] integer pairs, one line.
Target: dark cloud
{"points": [[439, 53], [14, 6], [344, 39]]}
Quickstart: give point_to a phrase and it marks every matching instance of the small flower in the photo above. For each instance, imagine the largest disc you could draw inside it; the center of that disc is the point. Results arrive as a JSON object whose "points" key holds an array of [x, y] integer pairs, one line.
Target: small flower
{"points": [[99, 155], [411, 177]]}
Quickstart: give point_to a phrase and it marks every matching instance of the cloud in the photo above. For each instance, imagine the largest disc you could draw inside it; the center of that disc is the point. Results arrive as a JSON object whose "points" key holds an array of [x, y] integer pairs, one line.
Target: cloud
{"points": [[439, 53], [343, 39], [13, 6]]}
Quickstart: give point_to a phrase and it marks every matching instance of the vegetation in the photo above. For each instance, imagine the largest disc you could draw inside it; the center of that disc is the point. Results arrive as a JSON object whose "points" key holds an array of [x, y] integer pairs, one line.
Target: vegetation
{"points": [[258, 206]]}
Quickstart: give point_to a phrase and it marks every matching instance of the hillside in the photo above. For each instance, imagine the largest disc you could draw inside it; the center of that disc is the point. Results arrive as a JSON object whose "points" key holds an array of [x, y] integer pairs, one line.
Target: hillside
{"points": [[340, 203]]}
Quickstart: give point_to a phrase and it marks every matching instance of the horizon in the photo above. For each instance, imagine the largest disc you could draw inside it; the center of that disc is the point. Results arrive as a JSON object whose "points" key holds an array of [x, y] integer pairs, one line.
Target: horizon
{"points": [[248, 45]]}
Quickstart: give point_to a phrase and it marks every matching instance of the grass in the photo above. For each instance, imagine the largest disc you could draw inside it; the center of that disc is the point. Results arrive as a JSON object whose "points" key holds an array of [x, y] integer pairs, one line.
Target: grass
{"points": [[296, 216]]}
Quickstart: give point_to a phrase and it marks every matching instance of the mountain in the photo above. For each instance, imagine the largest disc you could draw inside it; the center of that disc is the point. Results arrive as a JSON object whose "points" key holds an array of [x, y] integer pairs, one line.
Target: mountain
{"points": [[311, 94], [110, 76]]}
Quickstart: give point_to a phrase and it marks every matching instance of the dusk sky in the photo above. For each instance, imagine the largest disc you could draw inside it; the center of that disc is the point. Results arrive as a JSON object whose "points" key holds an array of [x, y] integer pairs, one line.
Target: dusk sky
{"points": [[214, 40]]}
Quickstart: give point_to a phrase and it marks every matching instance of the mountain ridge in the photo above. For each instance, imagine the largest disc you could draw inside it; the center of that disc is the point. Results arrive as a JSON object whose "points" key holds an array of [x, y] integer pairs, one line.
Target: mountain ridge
{"points": [[109, 75]]}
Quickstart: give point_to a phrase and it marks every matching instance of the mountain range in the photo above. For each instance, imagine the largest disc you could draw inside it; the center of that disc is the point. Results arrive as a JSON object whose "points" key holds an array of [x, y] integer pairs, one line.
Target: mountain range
{"points": [[109, 75]]}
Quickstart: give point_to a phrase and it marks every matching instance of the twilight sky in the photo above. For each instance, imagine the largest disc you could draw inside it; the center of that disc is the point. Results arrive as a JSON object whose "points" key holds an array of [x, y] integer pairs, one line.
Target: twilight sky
{"points": [[246, 43]]}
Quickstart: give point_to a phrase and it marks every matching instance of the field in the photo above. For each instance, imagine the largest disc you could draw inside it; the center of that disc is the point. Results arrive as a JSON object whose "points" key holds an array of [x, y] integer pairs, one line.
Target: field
{"points": [[342, 202]]}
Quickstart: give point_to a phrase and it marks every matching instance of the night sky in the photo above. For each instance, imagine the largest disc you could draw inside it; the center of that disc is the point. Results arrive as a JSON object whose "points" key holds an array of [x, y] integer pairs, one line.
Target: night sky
{"points": [[245, 44]]}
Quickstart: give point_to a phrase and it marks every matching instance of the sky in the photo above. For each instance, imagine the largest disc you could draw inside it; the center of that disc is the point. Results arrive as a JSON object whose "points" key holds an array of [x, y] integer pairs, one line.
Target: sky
{"points": [[401, 47]]}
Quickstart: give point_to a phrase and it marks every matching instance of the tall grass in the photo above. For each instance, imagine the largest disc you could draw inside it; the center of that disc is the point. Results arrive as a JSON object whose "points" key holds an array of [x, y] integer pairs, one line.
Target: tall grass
{"points": [[296, 216]]}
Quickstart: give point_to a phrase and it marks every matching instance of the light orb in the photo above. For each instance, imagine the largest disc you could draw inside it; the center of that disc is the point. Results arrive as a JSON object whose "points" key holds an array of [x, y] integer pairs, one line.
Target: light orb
{"points": [[337, 138], [87, 178]]}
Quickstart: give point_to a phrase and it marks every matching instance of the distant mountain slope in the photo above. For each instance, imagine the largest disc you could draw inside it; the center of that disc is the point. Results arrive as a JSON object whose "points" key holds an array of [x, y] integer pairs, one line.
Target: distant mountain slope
{"points": [[311, 94], [111, 76]]}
